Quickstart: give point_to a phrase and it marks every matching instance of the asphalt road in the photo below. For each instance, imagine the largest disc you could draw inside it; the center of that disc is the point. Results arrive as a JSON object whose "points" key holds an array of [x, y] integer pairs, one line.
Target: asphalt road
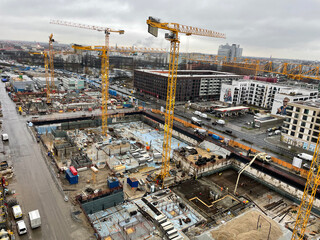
{"points": [[35, 188], [256, 141]]}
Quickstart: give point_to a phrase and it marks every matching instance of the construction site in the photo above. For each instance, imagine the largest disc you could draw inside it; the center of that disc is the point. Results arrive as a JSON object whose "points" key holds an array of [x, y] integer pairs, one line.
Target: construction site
{"points": [[128, 171], [114, 175]]}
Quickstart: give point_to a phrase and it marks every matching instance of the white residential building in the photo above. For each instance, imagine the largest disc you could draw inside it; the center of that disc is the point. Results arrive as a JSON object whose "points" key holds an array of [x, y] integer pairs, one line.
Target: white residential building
{"points": [[263, 94], [301, 126]]}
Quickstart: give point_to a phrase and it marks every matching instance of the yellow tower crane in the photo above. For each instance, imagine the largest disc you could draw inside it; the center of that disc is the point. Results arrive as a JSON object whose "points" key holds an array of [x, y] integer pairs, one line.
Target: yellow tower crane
{"points": [[46, 54], [104, 64], [175, 29], [308, 196], [51, 56], [120, 49], [46, 70]]}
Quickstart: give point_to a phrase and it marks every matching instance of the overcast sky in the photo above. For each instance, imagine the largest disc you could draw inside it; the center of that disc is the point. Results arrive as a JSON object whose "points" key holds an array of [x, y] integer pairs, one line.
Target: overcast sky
{"points": [[277, 28]]}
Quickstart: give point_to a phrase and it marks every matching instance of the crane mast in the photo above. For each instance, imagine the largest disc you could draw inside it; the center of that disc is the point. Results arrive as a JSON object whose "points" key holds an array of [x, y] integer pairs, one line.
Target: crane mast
{"points": [[310, 189], [47, 74], [174, 28], [51, 55]]}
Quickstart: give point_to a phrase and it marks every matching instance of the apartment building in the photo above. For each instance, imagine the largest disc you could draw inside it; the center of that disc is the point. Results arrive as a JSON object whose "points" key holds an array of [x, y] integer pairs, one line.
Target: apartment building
{"points": [[192, 85], [301, 126], [263, 94]]}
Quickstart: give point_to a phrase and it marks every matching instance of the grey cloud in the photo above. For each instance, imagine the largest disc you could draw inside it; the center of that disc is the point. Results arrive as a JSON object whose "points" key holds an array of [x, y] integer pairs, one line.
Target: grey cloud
{"points": [[286, 28]]}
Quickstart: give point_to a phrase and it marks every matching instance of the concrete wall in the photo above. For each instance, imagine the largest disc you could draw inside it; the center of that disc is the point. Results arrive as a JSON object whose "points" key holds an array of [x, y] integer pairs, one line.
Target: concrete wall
{"points": [[200, 171], [116, 149], [275, 184], [181, 136], [282, 188], [103, 202]]}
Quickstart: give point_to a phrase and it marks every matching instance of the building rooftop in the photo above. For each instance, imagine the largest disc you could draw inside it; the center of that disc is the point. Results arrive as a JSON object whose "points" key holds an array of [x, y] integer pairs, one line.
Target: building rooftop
{"points": [[191, 73], [311, 103]]}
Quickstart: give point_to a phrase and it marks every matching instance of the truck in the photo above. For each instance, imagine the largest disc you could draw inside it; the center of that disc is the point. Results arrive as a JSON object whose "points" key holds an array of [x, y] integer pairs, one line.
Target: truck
{"points": [[305, 156], [264, 158], [35, 220], [17, 212], [200, 131], [196, 121]]}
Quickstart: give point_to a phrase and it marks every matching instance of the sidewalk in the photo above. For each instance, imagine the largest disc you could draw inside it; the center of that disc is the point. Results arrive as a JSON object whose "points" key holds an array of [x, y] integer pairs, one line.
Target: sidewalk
{"points": [[276, 141]]}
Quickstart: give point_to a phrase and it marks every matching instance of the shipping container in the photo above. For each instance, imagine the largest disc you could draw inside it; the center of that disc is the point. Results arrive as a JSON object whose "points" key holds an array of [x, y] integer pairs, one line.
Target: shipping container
{"points": [[71, 178], [113, 183], [133, 182], [216, 137], [127, 105], [112, 92]]}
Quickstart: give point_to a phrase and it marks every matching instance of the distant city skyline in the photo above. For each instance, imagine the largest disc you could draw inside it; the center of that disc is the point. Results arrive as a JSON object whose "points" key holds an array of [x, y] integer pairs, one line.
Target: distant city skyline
{"points": [[281, 29]]}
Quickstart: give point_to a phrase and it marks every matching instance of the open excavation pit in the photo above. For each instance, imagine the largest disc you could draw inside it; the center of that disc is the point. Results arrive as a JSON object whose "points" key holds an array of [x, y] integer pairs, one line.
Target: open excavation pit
{"points": [[213, 197]]}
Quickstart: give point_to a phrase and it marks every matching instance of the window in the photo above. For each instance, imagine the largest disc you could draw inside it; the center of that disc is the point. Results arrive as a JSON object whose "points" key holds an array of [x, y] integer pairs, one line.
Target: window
{"points": [[303, 124], [300, 136], [294, 127], [306, 111], [292, 133], [301, 129], [314, 140], [304, 117], [297, 109], [295, 121]]}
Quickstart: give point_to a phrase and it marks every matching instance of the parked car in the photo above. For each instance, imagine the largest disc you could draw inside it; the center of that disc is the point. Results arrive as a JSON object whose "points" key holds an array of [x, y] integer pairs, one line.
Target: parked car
{"points": [[228, 132], [21, 227], [17, 212], [221, 122]]}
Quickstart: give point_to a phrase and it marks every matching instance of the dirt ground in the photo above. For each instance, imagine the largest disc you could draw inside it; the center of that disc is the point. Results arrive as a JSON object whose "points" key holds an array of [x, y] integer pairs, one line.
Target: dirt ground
{"points": [[244, 227], [228, 178], [87, 179]]}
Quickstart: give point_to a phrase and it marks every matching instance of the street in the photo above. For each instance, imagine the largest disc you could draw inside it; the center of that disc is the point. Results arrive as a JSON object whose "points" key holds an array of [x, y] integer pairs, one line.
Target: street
{"points": [[256, 141], [34, 186]]}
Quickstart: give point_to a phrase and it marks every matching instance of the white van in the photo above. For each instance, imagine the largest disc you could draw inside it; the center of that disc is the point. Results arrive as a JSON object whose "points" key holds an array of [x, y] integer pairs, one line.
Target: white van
{"points": [[17, 212], [35, 220], [4, 137], [306, 157], [21, 227]]}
